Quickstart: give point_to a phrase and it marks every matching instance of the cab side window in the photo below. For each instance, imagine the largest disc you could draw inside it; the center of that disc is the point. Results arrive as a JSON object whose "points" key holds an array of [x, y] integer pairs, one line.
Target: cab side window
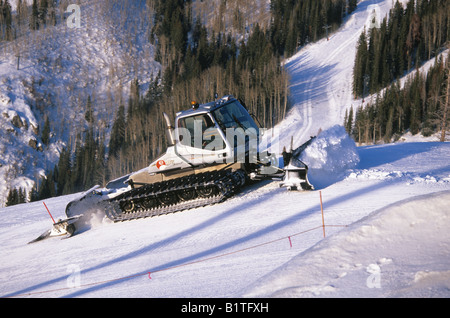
{"points": [[199, 132]]}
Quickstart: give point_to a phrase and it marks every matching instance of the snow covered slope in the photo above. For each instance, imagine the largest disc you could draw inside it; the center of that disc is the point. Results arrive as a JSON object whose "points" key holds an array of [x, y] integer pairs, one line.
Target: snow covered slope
{"points": [[322, 75], [227, 250], [265, 241], [399, 251]]}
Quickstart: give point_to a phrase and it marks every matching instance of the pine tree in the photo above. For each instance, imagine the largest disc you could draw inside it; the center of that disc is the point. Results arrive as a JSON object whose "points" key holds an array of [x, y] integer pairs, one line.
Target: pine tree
{"points": [[349, 123], [89, 160], [34, 194], [100, 165], [89, 114], [34, 19], [20, 10], [412, 35], [42, 11], [361, 65], [359, 124], [64, 173], [345, 119], [6, 19], [415, 115], [117, 132], [46, 132], [47, 188], [12, 198], [77, 167], [22, 196], [389, 126]]}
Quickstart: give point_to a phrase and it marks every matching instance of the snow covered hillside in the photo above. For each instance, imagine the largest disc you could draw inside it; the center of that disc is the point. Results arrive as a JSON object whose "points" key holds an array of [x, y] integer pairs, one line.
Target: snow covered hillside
{"points": [[59, 68], [386, 210], [322, 75]]}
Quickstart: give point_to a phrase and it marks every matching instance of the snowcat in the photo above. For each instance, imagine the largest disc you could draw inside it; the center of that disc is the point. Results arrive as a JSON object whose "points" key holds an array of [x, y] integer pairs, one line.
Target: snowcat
{"points": [[213, 152]]}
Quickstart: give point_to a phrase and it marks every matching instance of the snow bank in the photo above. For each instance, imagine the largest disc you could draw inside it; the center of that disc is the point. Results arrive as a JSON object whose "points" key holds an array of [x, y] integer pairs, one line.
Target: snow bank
{"points": [[402, 250], [408, 177], [330, 156]]}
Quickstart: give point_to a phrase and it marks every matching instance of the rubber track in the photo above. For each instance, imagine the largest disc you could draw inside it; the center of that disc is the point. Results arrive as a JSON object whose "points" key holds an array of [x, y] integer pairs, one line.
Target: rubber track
{"points": [[225, 183]]}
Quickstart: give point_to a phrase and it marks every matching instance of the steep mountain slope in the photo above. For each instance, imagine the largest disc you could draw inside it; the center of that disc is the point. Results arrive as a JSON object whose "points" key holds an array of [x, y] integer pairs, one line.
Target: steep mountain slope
{"points": [[60, 68], [321, 76]]}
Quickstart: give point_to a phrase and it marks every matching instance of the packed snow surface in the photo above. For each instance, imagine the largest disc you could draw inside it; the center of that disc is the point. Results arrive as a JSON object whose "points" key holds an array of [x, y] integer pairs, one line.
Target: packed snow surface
{"points": [[385, 235], [399, 251]]}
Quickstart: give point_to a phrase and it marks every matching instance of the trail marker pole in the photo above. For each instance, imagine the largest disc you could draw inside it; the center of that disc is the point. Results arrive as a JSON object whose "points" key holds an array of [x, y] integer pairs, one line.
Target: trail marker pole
{"points": [[49, 213], [326, 27], [321, 208]]}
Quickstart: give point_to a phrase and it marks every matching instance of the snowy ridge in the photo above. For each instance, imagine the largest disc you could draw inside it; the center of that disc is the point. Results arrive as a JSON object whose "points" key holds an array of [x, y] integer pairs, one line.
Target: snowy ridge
{"points": [[409, 178]]}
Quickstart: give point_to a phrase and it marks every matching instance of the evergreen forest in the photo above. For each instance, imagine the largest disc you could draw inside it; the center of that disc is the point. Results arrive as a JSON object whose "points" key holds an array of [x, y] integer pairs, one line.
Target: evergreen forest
{"points": [[407, 38]]}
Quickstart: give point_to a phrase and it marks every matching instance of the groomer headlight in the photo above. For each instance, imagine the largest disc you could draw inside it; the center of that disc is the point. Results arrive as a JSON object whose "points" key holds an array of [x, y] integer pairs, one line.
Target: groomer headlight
{"points": [[194, 105]]}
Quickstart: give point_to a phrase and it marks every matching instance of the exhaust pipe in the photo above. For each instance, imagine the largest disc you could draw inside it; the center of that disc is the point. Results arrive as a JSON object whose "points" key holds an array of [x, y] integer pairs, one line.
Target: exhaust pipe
{"points": [[170, 130]]}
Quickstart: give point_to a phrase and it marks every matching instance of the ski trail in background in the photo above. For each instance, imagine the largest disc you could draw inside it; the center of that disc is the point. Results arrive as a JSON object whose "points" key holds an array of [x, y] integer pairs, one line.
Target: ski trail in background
{"points": [[321, 77]]}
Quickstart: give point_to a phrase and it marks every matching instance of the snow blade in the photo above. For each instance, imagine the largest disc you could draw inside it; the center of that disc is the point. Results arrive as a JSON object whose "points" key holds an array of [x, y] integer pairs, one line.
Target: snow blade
{"points": [[41, 237], [296, 171], [296, 176], [75, 211], [64, 228]]}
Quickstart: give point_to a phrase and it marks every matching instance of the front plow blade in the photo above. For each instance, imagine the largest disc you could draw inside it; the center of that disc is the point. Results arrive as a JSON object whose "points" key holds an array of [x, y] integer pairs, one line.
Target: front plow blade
{"points": [[64, 228], [296, 176]]}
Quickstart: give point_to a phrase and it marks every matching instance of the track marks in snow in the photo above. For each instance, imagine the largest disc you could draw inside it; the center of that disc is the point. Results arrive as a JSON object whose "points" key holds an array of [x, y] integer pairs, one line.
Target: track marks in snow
{"points": [[322, 76]]}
